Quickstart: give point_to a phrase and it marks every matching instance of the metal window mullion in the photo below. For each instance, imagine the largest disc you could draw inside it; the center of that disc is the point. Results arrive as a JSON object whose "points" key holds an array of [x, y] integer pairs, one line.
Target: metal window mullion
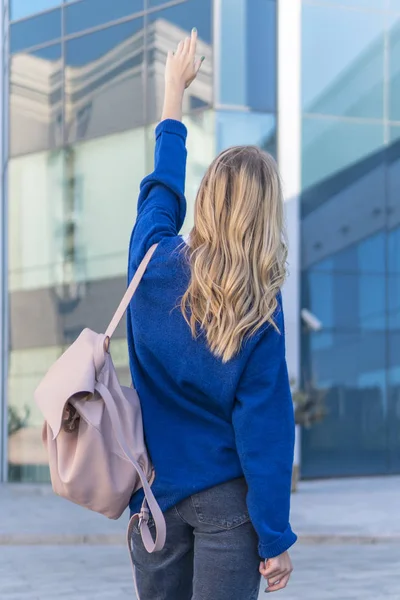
{"points": [[289, 159], [4, 305], [63, 111]]}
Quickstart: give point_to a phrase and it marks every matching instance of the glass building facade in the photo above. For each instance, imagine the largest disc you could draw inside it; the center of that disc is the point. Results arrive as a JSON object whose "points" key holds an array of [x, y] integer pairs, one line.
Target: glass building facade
{"points": [[82, 85], [82, 88], [350, 224]]}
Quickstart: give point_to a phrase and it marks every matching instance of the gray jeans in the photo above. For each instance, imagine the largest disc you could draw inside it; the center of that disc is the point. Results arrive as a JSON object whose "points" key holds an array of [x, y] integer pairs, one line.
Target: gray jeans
{"points": [[210, 552]]}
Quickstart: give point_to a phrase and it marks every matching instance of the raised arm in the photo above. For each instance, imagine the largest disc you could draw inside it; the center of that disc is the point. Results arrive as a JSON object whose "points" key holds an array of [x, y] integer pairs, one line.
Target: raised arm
{"points": [[161, 204]]}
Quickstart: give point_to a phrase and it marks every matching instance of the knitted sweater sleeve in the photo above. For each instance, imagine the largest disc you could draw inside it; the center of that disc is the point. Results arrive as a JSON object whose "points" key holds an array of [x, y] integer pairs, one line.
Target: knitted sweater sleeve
{"points": [[263, 420], [161, 205]]}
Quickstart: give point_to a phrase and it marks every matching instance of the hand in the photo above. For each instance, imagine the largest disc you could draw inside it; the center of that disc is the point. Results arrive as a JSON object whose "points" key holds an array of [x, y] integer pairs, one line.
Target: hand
{"points": [[182, 66], [277, 572]]}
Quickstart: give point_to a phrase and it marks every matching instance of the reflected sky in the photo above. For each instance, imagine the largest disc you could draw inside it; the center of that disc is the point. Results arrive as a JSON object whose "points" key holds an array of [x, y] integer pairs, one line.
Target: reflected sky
{"points": [[37, 30], [91, 13], [246, 128], [248, 54], [23, 8], [342, 61]]}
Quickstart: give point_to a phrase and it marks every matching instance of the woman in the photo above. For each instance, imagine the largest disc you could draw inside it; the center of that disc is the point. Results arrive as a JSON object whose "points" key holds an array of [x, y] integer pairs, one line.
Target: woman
{"points": [[207, 354]]}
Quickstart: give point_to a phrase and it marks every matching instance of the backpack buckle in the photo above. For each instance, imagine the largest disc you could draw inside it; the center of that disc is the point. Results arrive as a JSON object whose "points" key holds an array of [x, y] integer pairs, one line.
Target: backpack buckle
{"points": [[143, 516]]}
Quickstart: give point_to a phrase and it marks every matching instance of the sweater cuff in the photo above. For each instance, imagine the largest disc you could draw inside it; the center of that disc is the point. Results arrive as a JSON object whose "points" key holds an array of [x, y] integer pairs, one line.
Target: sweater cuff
{"points": [[276, 548], [172, 126]]}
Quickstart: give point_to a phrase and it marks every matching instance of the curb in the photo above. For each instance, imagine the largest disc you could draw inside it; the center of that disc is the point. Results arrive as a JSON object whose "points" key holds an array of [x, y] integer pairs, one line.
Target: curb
{"points": [[342, 539], [120, 540], [62, 539]]}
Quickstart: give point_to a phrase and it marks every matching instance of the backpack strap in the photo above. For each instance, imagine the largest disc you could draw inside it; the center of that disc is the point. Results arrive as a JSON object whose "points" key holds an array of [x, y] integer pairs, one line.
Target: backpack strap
{"points": [[119, 313], [150, 503]]}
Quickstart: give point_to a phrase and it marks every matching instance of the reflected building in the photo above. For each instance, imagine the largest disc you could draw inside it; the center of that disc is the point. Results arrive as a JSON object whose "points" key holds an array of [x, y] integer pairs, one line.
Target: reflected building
{"points": [[82, 92], [85, 92], [350, 232]]}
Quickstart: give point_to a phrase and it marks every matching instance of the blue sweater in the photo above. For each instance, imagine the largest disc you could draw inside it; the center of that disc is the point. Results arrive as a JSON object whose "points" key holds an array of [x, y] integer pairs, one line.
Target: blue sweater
{"points": [[205, 422]]}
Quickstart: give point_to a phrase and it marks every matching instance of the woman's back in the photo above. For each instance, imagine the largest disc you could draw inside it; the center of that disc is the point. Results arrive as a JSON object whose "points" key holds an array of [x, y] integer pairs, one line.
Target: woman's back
{"points": [[187, 393], [207, 354], [206, 421]]}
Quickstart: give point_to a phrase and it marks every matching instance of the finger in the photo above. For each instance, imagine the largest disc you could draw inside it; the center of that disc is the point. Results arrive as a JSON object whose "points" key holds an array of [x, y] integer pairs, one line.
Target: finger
{"points": [[180, 47], [277, 578], [186, 47], [279, 586], [270, 571], [198, 64], [193, 42]]}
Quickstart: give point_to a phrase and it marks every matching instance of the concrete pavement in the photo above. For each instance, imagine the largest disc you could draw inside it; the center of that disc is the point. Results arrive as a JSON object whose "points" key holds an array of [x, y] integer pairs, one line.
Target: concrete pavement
{"points": [[328, 572], [349, 545], [348, 509]]}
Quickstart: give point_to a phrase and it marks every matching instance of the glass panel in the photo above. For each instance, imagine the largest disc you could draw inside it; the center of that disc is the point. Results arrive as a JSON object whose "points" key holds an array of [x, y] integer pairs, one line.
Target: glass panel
{"points": [[394, 66], [154, 3], [38, 30], [165, 29], [329, 146], [379, 4], [73, 243], [104, 81], [35, 196], [201, 152], [90, 13], [24, 8], [394, 399], [342, 62], [346, 301], [394, 302], [245, 128], [394, 251], [352, 439], [393, 203], [248, 54], [35, 100]]}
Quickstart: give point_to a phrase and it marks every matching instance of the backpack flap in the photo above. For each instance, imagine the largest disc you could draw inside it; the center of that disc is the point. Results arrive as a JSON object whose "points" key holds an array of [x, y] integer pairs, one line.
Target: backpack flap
{"points": [[74, 373]]}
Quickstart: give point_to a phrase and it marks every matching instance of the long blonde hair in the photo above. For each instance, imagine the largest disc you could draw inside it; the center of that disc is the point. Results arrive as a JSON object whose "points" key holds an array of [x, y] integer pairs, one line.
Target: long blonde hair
{"points": [[237, 250]]}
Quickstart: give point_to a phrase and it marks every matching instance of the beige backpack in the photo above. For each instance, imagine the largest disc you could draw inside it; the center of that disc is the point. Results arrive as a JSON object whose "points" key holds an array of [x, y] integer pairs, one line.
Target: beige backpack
{"points": [[93, 430]]}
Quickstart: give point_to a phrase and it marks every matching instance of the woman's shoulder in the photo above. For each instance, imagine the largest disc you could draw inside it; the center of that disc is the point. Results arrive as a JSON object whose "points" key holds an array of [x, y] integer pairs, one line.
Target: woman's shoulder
{"points": [[171, 249]]}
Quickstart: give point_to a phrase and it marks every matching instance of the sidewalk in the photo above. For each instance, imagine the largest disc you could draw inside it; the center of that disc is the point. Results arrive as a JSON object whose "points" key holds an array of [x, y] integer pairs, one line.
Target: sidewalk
{"points": [[342, 511]]}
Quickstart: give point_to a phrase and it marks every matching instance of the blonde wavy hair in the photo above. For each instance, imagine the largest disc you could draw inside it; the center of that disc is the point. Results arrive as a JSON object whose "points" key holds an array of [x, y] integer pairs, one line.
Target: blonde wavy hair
{"points": [[237, 250]]}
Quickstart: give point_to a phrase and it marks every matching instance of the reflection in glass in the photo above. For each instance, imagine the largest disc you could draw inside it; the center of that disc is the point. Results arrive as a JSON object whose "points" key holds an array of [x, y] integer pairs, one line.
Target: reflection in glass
{"points": [[154, 3], [342, 73], [394, 251], [379, 4], [165, 29], [104, 81], [201, 152], [236, 128], [347, 301], [35, 204], [82, 202], [35, 100], [352, 439], [24, 8], [329, 145], [37, 30], [90, 13], [394, 66], [248, 54], [394, 399]]}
